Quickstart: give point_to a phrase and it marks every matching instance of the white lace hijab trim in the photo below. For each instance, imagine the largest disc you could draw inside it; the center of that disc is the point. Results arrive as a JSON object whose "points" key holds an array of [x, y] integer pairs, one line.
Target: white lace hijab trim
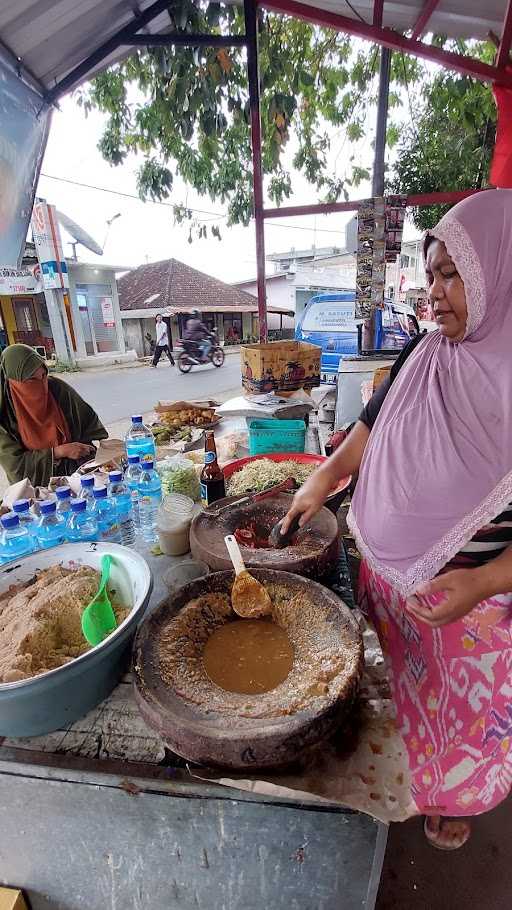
{"points": [[460, 248]]}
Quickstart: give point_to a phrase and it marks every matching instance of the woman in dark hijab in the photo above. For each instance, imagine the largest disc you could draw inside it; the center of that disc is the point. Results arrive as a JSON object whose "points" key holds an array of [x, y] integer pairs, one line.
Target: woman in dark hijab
{"points": [[46, 428]]}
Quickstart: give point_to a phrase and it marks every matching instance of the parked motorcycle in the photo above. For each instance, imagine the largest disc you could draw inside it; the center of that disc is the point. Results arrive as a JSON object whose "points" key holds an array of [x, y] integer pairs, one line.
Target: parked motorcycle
{"points": [[191, 355]]}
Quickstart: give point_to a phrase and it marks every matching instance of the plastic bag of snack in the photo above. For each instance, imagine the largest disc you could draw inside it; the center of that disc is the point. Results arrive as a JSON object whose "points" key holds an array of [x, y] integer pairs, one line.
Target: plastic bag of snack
{"points": [[178, 475]]}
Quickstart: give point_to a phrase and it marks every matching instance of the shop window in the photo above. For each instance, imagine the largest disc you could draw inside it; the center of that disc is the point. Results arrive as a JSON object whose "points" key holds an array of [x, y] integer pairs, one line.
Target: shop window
{"points": [[233, 331], [24, 314]]}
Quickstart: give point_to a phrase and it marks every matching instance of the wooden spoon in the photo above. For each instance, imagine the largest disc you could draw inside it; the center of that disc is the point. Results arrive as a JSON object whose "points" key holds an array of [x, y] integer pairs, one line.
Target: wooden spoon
{"points": [[249, 598]]}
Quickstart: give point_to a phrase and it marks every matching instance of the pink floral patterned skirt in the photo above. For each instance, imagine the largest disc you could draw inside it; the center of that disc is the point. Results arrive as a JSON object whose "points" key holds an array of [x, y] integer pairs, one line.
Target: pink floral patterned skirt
{"points": [[452, 689]]}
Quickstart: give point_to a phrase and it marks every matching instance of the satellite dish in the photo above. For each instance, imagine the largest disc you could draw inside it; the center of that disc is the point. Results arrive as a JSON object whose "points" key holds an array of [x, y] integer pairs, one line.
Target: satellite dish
{"points": [[79, 235]]}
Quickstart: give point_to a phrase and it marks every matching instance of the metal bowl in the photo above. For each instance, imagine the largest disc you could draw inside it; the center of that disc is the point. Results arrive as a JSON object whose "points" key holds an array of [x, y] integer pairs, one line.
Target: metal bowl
{"points": [[56, 699]]}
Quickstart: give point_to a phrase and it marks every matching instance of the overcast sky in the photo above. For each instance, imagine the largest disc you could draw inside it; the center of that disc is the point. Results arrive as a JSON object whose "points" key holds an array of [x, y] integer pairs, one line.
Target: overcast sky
{"points": [[145, 232]]}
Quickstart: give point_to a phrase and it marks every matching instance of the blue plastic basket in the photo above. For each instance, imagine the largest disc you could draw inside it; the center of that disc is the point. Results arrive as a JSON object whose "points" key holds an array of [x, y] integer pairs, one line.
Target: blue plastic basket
{"points": [[276, 436]]}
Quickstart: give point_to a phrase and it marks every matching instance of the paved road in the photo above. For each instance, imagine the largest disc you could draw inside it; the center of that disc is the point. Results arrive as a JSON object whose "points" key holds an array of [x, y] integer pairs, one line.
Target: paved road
{"points": [[116, 394]]}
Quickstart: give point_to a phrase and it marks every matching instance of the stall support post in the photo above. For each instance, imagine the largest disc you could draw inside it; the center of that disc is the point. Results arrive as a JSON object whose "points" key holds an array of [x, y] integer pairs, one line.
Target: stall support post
{"points": [[382, 120], [251, 33], [54, 299]]}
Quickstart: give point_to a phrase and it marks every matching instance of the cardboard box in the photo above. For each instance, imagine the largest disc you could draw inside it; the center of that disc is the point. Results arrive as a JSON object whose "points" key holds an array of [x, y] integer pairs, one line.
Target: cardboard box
{"points": [[12, 899], [280, 366], [379, 376]]}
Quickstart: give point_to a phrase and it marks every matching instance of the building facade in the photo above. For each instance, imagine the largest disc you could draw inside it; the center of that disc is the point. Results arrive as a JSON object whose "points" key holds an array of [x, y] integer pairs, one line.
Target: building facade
{"points": [[173, 289], [82, 325], [302, 273]]}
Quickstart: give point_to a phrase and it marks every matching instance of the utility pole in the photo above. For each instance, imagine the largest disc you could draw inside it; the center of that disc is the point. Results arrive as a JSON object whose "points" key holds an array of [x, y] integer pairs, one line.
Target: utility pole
{"points": [[382, 121]]}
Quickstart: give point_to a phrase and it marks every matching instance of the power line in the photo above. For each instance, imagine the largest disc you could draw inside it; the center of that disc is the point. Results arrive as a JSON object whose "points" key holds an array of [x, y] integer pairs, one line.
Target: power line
{"points": [[171, 205], [104, 189], [356, 12]]}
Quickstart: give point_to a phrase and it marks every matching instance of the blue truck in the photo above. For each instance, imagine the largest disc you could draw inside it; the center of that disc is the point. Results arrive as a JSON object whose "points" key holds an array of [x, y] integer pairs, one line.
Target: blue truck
{"points": [[329, 321]]}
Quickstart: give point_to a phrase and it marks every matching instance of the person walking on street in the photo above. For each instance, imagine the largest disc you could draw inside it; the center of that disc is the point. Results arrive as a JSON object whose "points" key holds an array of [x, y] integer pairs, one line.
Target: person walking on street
{"points": [[162, 345]]}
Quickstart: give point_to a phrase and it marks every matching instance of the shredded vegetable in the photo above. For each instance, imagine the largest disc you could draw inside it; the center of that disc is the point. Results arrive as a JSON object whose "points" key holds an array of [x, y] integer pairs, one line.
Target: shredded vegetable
{"points": [[178, 475], [263, 473]]}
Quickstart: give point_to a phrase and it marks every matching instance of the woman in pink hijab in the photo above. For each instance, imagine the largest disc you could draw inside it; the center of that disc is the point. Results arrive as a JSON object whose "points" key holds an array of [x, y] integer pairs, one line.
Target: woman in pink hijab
{"points": [[432, 517]]}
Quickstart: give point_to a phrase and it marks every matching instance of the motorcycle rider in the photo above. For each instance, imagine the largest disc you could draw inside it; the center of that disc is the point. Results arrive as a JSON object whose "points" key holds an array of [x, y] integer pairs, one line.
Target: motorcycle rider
{"points": [[198, 332]]}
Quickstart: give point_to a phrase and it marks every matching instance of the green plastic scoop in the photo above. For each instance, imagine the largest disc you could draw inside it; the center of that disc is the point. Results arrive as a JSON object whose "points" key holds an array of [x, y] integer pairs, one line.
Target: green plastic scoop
{"points": [[98, 619]]}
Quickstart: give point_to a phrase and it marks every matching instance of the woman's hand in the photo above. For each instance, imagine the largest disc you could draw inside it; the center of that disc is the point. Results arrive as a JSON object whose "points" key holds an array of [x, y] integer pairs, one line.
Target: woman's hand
{"points": [[309, 499], [76, 451], [345, 460], [462, 590]]}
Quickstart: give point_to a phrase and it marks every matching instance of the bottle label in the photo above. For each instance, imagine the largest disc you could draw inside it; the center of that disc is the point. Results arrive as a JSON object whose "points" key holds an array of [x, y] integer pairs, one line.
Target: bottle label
{"points": [[212, 491], [209, 457]]}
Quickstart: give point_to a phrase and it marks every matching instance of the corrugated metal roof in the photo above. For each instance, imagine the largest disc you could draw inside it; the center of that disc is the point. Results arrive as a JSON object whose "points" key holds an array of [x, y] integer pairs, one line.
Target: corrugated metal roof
{"points": [[52, 37], [455, 18]]}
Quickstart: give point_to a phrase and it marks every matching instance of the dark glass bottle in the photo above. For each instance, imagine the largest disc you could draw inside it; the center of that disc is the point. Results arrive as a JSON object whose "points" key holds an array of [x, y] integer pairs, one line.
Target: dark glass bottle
{"points": [[213, 486]]}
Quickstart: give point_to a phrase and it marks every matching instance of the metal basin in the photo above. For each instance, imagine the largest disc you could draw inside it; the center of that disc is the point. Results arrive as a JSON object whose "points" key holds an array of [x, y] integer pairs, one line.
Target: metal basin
{"points": [[56, 699]]}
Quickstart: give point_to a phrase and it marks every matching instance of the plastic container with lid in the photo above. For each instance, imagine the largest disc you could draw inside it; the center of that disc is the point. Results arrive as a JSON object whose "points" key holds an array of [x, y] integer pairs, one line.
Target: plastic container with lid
{"points": [[121, 497], [87, 489], [27, 519], [15, 540], [140, 441], [51, 527], [64, 502], [82, 525], [105, 513], [173, 524]]}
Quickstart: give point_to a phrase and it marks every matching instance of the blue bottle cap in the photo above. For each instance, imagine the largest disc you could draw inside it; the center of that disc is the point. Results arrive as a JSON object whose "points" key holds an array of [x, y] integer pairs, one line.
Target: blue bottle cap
{"points": [[148, 465], [78, 505], [115, 476], [137, 418], [87, 481], [21, 505], [47, 508], [63, 493], [133, 459], [101, 493], [11, 520]]}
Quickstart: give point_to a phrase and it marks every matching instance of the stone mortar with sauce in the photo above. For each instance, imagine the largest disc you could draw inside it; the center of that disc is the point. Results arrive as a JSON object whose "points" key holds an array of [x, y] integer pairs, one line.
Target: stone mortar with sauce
{"points": [[313, 554], [299, 700]]}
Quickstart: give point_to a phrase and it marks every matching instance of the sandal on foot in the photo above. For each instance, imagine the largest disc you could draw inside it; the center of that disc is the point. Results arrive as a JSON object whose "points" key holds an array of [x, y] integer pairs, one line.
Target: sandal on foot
{"points": [[442, 839]]}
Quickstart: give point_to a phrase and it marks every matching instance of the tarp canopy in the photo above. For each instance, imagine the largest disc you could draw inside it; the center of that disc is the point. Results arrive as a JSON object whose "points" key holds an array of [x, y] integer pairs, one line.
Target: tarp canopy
{"points": [[50, 38]]}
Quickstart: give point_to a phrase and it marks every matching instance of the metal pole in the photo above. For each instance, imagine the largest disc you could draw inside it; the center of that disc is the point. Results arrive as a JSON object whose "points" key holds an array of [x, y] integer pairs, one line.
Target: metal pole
{"points": [[382, 119], [250, 13]]}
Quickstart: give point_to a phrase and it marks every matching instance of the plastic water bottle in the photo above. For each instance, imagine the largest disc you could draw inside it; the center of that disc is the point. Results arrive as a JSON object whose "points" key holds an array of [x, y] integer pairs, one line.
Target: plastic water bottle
{"points": [[121, 497], [140, 441], [132, 477], [87, 485], [64, 502], [82, 524], [105, 513], [52, 528], [15, 540], [27, 520], [150, 497]]}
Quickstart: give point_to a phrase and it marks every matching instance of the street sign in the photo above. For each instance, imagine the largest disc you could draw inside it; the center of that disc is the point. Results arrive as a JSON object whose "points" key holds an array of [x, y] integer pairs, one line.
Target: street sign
{"points": [[48, 243], [107, 310], [21, 281]]}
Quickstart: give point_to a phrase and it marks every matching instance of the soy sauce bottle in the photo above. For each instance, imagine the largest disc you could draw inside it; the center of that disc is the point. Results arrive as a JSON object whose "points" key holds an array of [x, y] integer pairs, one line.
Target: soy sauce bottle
{"points": [[213, 486]]}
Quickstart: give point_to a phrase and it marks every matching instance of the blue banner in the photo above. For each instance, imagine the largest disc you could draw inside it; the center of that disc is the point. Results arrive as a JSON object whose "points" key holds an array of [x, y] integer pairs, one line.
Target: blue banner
{"points": [[24, 125]]}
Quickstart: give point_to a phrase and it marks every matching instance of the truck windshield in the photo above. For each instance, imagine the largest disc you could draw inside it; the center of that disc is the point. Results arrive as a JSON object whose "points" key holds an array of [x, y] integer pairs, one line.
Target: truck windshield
{"points": [[329, 317]]}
